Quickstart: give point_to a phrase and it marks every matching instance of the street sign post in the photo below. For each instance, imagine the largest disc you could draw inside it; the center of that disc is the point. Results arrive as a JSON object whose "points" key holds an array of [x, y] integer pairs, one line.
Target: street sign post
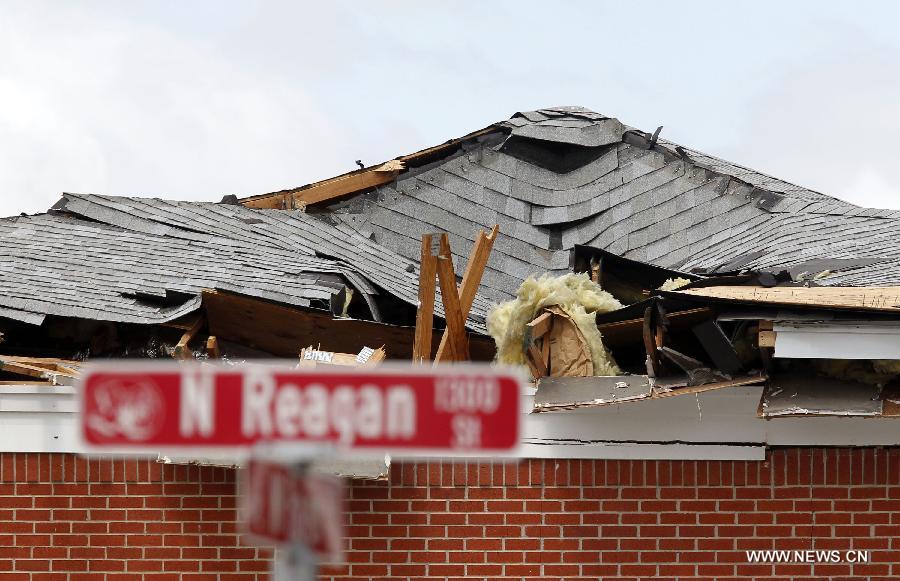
{"points": [[460, 410], [285, 504], [412, 411]]}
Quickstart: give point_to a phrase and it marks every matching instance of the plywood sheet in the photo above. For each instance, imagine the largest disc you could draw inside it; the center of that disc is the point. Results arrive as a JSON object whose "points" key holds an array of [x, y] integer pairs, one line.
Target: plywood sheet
{"points": [[885, 299]]}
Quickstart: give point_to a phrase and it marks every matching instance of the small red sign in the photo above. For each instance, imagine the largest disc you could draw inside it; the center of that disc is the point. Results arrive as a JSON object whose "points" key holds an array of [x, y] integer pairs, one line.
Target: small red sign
{"points": [[285, 506], [146, 408]]}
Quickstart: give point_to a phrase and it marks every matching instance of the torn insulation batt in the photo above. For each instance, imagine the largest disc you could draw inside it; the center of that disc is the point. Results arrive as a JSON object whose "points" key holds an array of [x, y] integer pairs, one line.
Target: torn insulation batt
{"points": [[672, 284], [576, 294]]}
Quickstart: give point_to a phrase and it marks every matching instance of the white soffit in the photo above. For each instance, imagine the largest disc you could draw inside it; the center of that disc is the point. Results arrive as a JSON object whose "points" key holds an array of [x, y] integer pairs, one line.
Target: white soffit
{"points": [[837, 341]]}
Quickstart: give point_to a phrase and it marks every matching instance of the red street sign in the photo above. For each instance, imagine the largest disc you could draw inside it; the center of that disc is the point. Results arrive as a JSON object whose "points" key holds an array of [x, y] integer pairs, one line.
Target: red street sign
{"points": [[285, 506], [148, 408]]}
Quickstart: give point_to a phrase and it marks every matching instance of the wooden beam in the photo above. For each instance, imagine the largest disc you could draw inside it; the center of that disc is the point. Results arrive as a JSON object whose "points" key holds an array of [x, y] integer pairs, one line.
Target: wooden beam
{"points": [[212, 347], [478, 259], [767, 338], [425, 311], [329, 189], [285, 199], [536, 361], [540, 326], [182, 350], [458, 342], [54, 376]]}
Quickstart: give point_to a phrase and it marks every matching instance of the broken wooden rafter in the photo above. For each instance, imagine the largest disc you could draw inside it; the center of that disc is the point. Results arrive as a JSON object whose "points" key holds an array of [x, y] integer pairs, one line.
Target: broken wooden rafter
{"points": [[212, 347], [356, 181], [182, 349], [471, 280], [538, 359], [425, 310], [330, 189], [52, 371], [458, 341]]}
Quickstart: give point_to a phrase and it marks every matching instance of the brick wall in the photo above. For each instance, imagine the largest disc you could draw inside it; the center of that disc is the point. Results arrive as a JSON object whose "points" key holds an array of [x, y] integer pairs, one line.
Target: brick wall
{"points": [[62, 517], [589, 519]]}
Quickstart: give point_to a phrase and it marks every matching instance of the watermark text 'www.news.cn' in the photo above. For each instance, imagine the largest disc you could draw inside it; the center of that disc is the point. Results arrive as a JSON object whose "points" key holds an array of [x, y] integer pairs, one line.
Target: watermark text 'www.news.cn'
{"points": [[810, 556]]}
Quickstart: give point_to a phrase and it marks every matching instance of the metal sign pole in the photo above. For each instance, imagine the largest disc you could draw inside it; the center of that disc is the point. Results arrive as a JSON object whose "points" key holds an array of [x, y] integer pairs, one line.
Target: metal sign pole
{"points": [[294, 563]]}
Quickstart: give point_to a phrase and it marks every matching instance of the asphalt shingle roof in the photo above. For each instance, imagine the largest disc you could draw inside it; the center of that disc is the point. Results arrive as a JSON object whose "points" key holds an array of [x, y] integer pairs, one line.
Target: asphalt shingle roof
{"points": [[657, 202]]}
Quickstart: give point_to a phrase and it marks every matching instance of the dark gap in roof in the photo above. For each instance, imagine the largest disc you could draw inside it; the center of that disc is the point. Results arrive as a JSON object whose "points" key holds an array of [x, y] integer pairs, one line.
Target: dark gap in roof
{"points": [[170, 298], [552, 155]]}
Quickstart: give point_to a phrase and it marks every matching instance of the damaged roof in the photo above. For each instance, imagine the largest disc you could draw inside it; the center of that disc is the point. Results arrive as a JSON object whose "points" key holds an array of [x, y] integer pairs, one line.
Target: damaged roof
{"points": [[551, 179], [565, 176], [140, 260]]}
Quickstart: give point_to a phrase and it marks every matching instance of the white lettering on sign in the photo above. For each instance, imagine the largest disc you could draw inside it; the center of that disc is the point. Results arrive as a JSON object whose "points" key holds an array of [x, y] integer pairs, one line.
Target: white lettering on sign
{"points": [[466, 431], [467, 394], [316, 355], [197, 402], [291, 410]]}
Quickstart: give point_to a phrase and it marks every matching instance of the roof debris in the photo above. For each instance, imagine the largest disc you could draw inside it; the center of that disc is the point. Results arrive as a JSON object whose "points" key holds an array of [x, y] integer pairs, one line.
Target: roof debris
{"points": [[616, 265]]}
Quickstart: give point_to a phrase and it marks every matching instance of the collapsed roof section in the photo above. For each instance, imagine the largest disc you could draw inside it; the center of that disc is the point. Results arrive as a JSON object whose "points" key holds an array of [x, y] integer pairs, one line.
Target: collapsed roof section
{"points": [[559, 177], [139, 260]]}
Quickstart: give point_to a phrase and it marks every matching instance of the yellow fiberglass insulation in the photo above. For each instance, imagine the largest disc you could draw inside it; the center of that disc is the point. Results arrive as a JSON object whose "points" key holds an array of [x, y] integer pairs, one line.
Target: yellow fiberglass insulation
{"points": [[576, 294], [674, 284]]}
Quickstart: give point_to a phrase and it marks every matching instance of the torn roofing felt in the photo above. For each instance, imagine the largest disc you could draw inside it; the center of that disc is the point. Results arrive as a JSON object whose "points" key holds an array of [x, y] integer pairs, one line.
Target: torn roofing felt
{"points": [[559, 177], [146, 260]]}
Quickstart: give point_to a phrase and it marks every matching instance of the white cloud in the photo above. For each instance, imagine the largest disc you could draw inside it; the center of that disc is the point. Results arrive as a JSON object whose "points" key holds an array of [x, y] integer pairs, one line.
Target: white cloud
{"points": [[96, 104], [831, 124]]}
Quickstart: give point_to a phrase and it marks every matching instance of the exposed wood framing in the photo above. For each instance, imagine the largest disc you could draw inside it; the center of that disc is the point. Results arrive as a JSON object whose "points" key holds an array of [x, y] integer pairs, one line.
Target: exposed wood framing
{"points": [[182, 349], [212, 347], [458, 342], [352, 182], [425, 311], [330, 189], [538, 359], [767, 338], [471, 280], [51, 371]]}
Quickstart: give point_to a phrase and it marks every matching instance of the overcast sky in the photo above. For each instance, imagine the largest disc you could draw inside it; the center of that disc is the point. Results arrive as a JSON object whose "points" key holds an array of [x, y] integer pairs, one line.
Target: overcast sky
{"points": [[194, 100]]}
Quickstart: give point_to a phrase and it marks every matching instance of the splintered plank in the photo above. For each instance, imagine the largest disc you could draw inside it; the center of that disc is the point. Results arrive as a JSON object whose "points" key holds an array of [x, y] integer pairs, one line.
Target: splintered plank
{"points": [[355, 181], [857, 298], [458, 342], [212, 347], [182, 349], [54, 374], [330, 189], [425, 311], [471, 280]]}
